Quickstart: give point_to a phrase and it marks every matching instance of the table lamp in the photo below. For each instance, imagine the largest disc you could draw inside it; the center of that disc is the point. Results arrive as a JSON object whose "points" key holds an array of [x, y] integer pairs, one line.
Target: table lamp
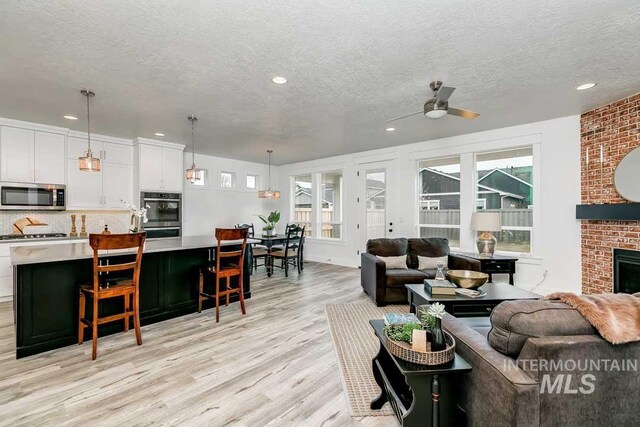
{"points": [[485, 223]]}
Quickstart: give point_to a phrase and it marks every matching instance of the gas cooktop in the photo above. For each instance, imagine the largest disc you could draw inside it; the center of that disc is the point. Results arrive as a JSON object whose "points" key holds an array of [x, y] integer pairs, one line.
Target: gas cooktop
{"points": [[31, 236]]}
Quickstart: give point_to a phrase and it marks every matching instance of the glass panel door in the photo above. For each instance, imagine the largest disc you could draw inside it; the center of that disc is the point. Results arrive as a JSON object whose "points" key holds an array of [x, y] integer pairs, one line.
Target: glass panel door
{"points": [[376, 213]]}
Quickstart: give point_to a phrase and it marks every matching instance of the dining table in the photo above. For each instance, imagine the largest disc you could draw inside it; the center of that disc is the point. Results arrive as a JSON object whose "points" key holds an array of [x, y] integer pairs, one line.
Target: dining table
{"points": [[269, 242]]}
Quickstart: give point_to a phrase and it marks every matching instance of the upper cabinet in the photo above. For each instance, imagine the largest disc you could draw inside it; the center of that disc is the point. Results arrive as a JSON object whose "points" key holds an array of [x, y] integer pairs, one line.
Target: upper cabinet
{"points": [[160, 165], [105, 189], [31, 156]]}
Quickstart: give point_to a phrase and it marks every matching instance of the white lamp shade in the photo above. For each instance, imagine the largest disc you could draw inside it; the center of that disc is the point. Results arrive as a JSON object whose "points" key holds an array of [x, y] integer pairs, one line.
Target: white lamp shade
{"points": [[486, 221]]}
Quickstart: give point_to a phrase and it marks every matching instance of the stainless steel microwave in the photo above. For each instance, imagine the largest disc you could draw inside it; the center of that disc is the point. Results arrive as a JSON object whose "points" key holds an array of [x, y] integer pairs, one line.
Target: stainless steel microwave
{"points": [[37, 197]]}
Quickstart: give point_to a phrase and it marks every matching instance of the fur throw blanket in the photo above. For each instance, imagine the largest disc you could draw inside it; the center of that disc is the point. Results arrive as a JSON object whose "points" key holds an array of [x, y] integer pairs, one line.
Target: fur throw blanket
{"points": [[615, 316]]}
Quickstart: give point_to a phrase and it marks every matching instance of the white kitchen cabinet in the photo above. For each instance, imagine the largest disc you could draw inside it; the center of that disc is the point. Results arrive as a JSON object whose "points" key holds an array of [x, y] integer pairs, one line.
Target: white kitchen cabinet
{"points": [[84, 189], [32, 156], [151, 167], [160, 167], [172, 173], [49, 158], [16, 150], [104, 189], [117, 185]]}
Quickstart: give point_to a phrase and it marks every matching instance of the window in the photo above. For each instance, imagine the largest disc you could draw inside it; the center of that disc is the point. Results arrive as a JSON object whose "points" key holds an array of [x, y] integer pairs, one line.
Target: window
{"points": [[481, 204], [439, 199], [202, 182], [331, 211], [505, 183], [303, 198], [251, 182], [227, 180]]}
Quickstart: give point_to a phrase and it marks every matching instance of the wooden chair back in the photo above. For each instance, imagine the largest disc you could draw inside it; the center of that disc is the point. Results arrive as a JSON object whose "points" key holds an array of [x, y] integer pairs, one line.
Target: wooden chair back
{"points": [[103, 242], [231, 234], [251, 232]]}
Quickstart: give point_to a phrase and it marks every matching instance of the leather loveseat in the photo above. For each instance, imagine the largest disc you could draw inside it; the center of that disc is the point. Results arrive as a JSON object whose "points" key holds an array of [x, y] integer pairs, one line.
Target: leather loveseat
{"points": [[386, 286]]}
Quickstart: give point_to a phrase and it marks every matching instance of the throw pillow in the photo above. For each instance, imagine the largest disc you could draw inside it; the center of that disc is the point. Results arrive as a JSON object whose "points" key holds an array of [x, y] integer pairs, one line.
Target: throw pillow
{"points": [[395, 262], [431, 263]]}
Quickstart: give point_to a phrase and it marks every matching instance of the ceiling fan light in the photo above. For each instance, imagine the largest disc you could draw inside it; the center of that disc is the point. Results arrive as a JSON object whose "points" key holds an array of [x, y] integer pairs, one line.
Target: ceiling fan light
{"points": [[435, 114]]}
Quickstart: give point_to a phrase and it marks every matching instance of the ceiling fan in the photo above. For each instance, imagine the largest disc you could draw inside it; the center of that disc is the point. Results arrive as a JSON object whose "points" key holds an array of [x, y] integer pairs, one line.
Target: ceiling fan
{"points": [[438, 106]]}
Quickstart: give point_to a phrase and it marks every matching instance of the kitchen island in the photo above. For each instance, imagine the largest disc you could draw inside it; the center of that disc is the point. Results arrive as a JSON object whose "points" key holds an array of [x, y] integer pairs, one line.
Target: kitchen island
{"points": [[46, 280]]}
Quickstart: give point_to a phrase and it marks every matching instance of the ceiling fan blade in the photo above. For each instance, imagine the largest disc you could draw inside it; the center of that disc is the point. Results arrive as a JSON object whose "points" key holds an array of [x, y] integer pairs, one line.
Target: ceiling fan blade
{"points": [[444, 93], [402, 117], [462, 113]]}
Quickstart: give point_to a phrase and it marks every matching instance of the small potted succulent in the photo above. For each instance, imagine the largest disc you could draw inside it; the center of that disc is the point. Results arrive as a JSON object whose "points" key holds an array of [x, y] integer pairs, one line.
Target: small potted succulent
{"points": [[270, 222], [432, 319]]}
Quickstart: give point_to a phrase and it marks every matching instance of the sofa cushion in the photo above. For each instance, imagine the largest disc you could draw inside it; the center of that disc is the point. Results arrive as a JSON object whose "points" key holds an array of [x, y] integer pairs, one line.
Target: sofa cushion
{"points": [[387, 247], [402, 277], [428, 262], [430, 273], [428, 246], [514, 322], [394, 262]]}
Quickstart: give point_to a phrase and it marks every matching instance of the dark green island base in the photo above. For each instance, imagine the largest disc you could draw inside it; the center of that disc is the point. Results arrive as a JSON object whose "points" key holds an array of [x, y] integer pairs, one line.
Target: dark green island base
{"points": [[46, 295]]}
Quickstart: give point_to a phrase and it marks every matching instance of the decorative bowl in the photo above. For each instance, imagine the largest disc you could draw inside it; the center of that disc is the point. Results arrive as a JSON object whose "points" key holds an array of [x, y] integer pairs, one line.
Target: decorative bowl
{"points": [[468, 279]]}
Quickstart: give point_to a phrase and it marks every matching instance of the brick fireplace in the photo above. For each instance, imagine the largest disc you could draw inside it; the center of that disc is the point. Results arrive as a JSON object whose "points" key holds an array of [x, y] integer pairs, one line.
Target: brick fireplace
{"points": [[615, 128]]}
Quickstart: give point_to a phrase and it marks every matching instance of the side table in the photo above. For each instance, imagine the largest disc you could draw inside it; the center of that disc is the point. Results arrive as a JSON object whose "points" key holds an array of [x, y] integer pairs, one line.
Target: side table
{"points": [[497, 264], [419, 395]]}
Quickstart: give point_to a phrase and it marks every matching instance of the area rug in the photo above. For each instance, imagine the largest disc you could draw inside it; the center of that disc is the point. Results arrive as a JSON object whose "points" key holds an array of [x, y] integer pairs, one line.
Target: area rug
{"points": [[356, 344]]}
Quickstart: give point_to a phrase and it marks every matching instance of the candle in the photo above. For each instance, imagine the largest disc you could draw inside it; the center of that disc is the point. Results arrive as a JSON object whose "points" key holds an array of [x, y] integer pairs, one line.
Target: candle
{"points": [[601, 154]]}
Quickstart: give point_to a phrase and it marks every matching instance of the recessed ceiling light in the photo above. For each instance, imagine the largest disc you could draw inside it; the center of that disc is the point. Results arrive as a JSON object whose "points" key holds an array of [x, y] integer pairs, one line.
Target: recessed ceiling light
{"points": [[159, 134], [279, 80], [70, 117], [586, 86], [390, 129]]}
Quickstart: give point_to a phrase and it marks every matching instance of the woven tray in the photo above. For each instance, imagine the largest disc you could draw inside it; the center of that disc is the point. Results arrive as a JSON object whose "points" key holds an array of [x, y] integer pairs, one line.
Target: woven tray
{"points": [[403, 351]]}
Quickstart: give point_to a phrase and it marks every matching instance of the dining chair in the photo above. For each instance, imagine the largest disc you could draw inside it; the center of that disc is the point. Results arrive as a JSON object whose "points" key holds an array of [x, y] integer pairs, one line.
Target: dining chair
{"points": [[228, 264], [290, 253], [103, 287], [256, 251]]}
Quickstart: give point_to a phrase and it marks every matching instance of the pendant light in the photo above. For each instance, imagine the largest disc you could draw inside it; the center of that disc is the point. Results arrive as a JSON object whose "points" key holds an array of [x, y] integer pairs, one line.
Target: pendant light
{"points": [[88, 163], [193, 174], [269, 193]]}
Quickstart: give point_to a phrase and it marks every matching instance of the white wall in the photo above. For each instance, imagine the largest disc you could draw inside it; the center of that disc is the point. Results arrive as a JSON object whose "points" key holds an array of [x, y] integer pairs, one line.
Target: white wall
{"points": [[557, 181], [210, 207]]}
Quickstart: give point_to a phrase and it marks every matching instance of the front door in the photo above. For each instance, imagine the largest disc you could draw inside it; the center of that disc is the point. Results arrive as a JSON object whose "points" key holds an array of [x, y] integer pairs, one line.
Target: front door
{"points": [[376, 213]]}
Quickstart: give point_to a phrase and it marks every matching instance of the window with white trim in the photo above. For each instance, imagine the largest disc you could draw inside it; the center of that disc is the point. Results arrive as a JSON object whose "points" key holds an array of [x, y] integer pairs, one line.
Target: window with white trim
{"points": [[203, 179], [227, 180], [439, 199], [331, 211], [505, 181], [251, 182], [303, 204]]}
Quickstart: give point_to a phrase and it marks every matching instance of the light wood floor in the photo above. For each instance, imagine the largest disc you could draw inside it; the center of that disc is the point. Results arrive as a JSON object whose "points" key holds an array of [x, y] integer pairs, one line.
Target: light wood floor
{"points": [[274, 367]]}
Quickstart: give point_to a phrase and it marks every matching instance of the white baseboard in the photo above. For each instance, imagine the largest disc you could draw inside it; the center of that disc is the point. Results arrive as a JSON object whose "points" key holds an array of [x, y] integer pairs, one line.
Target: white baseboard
{"points": [[333, 261]]}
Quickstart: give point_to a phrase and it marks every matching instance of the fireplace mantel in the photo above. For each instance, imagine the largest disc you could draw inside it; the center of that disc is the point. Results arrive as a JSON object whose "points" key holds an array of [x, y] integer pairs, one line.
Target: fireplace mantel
{"points": [[609, 212]]}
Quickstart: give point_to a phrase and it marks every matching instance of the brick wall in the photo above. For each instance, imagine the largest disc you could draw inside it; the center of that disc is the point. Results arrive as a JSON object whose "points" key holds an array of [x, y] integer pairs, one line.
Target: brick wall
{"points": [[615, 128]]}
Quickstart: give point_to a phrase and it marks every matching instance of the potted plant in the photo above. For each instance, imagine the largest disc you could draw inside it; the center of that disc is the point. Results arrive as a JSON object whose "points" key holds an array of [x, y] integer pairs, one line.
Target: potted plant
{"points": [[138, 217], [270, 222]]}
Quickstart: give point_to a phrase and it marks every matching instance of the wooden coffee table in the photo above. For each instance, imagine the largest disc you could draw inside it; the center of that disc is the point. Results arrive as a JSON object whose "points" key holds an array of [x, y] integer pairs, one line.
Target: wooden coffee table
{"points": [[461, 306]]}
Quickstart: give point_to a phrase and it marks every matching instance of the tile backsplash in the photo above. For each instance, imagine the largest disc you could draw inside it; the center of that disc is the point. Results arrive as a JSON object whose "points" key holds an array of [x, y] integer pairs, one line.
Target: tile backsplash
{"points": [[60, 221]]}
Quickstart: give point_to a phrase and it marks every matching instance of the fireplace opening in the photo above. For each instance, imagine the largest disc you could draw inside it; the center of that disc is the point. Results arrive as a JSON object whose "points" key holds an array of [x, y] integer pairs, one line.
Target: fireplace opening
{"points": [[626, 271]]}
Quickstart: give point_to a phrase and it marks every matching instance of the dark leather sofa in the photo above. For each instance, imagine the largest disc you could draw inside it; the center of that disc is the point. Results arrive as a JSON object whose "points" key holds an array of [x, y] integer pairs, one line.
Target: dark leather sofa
{"points": [[387, 286]]}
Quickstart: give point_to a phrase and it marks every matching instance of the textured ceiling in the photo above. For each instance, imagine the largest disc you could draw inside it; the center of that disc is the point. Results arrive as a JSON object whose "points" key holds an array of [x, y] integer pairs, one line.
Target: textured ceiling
{"points": [[351, 65]]}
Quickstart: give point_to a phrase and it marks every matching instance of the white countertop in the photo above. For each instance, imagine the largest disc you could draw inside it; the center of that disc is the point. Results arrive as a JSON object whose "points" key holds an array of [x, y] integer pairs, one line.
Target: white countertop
{"points": [[34, 254]]}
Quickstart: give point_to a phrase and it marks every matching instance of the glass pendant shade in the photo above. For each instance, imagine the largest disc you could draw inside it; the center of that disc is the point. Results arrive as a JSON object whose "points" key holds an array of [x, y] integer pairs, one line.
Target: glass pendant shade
{"points": [[88, 163], [193, 174], [269, 193]]}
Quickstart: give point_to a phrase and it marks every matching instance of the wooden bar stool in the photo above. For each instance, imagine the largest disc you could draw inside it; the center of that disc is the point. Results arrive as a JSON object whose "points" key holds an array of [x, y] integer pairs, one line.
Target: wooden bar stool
{"points": [[228, 264], [101, 289]]}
